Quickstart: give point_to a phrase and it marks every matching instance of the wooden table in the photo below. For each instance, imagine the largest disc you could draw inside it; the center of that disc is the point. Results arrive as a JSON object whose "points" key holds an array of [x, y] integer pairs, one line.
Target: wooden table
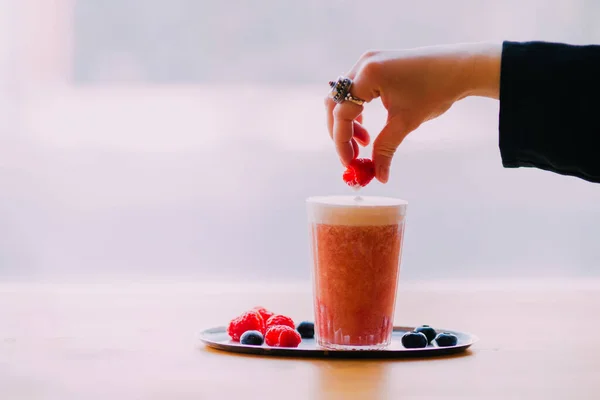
{"points": [[538, 341]]}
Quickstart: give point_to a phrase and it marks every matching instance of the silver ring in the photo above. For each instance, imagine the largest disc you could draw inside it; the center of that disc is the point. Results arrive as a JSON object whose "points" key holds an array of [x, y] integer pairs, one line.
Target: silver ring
{"points": [[340, 91]]}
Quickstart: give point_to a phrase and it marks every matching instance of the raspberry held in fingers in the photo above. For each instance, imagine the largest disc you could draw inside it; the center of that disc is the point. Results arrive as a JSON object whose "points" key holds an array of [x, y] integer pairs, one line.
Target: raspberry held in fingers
{"points": [[359, 172]]}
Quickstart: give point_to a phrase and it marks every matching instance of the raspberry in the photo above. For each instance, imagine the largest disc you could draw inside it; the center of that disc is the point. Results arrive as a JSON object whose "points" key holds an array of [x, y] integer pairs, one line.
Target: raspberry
{"points": [[264, 313], [273, 333], [248, 321], [289, 338], [359, 172], [280, 320]]}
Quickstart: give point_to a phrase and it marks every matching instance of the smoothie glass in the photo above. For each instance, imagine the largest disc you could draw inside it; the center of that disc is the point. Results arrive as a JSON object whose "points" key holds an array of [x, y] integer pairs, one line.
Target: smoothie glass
{"points": [[356, 244]]}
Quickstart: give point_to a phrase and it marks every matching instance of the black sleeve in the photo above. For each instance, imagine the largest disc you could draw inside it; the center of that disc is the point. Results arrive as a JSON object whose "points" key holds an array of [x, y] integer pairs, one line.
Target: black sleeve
{"points": [[550, 108]]}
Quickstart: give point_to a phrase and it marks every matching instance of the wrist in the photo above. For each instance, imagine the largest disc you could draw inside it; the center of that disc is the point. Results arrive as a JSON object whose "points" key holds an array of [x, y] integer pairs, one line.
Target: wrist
{"points": [[483, 64]]}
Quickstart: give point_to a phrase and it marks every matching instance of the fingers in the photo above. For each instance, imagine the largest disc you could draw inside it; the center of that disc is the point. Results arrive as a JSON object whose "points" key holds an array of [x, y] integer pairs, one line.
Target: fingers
{"points": [[385, 145], [344, 115], [343, 130], [361, 134], [329, 106], [355, 148], [344, 119]]}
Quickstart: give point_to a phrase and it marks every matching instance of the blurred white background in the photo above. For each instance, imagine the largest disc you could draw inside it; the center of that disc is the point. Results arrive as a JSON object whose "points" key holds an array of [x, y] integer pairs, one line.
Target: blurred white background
{"points": [[178, 139]]}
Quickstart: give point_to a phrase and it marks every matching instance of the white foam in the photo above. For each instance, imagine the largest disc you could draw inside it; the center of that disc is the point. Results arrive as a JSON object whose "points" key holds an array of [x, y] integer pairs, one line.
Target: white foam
{"points": [[355, 210]]}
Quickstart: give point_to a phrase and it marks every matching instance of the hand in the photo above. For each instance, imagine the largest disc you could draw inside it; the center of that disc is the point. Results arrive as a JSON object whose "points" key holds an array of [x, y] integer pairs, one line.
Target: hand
{"points": [[414, 86]]}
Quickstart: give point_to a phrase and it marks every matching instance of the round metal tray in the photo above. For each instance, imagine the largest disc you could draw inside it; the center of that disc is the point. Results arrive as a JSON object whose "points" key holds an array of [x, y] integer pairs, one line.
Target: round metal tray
{"points": [[218, 338]]}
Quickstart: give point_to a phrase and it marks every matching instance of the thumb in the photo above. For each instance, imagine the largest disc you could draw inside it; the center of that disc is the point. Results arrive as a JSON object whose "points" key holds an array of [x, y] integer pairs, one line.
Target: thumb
{"points": [[385, 145]]}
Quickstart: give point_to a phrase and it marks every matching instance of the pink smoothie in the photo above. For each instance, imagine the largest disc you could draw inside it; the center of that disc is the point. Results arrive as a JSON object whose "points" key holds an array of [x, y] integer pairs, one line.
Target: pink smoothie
{"points": [[356, 246]]}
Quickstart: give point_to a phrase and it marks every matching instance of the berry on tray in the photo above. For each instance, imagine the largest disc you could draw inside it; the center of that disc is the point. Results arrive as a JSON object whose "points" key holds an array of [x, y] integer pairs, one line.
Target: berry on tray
{"points": [[264, 313], [306, 329], [248, 321], [414, 340], [446, 339], [359, 172], [278, 319], [273, 333], [289, 338], [427, 331], [254, 338]]}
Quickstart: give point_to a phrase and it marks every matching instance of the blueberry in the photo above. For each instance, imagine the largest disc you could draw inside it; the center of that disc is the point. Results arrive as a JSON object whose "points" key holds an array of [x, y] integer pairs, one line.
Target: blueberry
{"points": [[414, 340], [254, 338], [446, 339], [427, 331], [306, 329]]}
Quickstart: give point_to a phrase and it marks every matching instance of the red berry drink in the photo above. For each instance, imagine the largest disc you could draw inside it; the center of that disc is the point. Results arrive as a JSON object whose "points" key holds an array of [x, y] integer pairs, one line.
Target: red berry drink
{"points": [[356, 244]]}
